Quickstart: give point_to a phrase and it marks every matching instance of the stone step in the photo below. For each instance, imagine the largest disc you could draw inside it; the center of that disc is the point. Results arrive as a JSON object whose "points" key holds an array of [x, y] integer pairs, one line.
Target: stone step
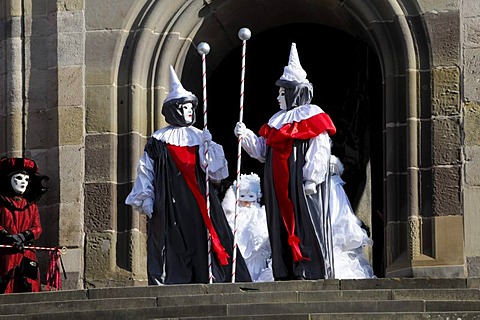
{"points": [[322, 299], [121, 310], [149, 305], [301, 285], [325, 316], [201, 289], [81, 297], [351, 316]]}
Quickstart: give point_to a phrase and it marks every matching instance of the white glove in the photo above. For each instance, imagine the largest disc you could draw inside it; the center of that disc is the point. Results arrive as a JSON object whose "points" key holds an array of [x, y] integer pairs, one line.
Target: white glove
{"points": [[147, 207], [206, 136], [240, 129], [310, 187]]}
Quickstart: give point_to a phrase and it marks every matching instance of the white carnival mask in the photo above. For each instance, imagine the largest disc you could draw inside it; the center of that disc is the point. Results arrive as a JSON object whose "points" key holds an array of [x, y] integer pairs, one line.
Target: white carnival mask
{"points": [[20, 182], [247, 196], [186, 109], [281, 98], [249, 192]]}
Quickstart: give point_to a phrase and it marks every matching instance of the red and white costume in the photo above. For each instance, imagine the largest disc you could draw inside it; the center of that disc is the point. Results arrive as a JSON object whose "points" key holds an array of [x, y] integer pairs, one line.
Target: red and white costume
{"points": [[19, 224]]}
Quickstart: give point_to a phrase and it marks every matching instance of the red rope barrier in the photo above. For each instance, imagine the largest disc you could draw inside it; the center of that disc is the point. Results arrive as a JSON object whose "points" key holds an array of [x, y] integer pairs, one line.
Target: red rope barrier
{"points": [[53, 278], [54, 281]]}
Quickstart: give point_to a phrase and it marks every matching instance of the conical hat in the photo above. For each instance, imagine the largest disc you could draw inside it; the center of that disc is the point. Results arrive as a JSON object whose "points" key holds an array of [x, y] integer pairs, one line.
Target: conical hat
{"points": [[293, 71], [176, 89]]}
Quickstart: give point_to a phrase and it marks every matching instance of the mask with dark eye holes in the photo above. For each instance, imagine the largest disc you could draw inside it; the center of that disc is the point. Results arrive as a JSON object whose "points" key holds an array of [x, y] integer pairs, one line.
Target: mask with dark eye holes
{"points": [[249, 192], [281, 99], [20, 182], [246, 198], [186, 111]]}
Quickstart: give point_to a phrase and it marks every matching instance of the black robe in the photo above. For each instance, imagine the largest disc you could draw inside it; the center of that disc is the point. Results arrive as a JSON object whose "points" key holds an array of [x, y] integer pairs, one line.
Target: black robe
{"points": [[312, 224], [177, 236]]}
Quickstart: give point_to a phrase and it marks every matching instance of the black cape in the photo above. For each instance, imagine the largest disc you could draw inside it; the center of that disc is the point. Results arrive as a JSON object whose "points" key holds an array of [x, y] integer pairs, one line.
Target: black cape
{"points": [[177, 237]]}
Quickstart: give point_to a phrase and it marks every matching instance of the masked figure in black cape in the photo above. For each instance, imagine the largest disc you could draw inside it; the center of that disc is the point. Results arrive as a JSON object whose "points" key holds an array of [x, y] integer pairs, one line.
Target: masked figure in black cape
{"points": [[170, 190], [295, 146]]}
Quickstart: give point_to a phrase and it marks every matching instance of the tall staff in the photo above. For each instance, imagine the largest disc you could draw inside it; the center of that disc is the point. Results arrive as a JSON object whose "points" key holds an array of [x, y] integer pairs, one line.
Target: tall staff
{"points": [[244, 34], [203, 49]]}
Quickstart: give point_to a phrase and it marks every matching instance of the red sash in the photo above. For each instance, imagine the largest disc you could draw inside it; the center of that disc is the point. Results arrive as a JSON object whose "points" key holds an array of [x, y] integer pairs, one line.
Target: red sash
{"points": [[185, 159]]}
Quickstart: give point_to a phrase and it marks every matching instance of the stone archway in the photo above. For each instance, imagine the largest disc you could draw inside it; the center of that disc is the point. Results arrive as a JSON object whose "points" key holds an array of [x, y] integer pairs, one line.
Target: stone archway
{"points": [[347, 85], [390, 36], [168, 34]]}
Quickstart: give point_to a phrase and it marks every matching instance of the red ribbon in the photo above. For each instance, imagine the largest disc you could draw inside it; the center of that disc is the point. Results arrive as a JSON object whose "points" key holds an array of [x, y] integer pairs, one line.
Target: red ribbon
{"points": [[54, 281], [185, 159], [294, 241]]}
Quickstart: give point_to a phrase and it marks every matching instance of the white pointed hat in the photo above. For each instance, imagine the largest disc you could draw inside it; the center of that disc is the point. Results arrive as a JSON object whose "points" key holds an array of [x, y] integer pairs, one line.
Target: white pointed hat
{"points": [[176, 89], [294, 71]]}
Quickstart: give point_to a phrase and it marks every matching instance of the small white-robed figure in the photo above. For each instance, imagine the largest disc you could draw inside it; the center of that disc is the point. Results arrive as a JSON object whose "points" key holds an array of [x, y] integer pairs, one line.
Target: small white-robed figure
{"points": [[252, 231]]}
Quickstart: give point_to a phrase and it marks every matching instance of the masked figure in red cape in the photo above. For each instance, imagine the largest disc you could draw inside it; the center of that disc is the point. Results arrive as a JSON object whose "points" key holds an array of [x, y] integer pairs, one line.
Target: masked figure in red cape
{"points": [[295, 146], [170, 189], [20, 187]]}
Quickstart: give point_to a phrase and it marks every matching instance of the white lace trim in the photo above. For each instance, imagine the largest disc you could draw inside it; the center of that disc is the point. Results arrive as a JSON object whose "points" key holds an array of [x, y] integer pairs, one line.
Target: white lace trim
{"points": [[282, 117], [179, 136]]}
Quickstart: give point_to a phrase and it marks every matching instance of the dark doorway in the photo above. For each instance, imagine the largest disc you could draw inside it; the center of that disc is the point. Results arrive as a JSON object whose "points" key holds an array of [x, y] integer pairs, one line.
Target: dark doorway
{"points": [[346, 78]]}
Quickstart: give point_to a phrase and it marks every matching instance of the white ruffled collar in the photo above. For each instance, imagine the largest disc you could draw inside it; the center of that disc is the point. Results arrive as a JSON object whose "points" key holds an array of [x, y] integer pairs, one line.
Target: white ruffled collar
{"points": [[179, 136], [282, 117]]}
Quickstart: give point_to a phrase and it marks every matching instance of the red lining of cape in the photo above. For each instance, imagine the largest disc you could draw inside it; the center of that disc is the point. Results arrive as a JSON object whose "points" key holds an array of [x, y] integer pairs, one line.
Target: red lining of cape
{"points": [[185, 159]]}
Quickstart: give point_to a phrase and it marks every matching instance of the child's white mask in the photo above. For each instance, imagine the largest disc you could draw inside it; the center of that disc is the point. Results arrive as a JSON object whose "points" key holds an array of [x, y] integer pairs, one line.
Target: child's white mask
{"points": [[247, 196]]}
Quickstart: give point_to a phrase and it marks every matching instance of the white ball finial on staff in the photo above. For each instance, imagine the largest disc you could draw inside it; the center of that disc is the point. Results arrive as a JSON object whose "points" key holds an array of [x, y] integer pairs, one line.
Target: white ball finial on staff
{"points": [[203, 49], [244, 34]]}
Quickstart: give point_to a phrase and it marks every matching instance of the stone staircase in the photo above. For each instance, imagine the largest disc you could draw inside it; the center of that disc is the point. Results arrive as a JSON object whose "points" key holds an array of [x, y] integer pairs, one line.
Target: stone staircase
{"points": [[392, 298]]}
